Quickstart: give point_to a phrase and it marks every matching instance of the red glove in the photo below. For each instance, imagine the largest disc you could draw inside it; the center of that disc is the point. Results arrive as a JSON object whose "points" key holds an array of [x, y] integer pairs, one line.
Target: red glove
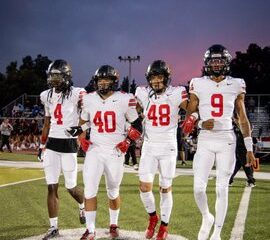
{"points": [[123, 146], [133, 133], [85, 144], [188, 124]]}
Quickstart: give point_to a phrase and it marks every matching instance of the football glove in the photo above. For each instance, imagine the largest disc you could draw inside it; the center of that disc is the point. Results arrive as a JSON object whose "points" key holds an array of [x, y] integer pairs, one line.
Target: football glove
{"points": [[189, 123], [133, 133], [40, 154], [123, 146], [74, 131], [85, 144]]}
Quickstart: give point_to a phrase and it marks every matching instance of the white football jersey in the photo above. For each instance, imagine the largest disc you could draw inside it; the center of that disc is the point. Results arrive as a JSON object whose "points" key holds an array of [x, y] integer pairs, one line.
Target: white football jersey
{"points": [[108, 117], [216, 100], [161, 112], [63, 114]]}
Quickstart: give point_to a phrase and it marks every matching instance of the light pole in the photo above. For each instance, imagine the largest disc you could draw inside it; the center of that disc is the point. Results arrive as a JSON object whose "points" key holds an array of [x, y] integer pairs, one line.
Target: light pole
{"points": [[129, 59]]}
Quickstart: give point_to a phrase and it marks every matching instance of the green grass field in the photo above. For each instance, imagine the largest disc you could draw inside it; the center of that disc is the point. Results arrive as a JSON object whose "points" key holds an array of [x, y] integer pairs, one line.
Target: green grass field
{"points": [[26, 204], [23, 208]]}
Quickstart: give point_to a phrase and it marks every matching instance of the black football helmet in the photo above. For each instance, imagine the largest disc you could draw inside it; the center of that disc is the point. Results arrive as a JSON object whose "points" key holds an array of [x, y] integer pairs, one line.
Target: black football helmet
{"points": [[106, 72], [158, 67], [217, 61], [59, 75]]}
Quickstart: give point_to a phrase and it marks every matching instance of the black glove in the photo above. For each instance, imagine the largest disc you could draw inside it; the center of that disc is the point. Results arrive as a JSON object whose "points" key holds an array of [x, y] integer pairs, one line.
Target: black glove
{"points": [[40, 154], [74, 131]]}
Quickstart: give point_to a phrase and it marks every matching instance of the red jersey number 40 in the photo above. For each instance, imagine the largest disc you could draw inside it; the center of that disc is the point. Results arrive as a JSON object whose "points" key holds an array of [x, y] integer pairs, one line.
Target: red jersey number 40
{"points": [[106, 122]]}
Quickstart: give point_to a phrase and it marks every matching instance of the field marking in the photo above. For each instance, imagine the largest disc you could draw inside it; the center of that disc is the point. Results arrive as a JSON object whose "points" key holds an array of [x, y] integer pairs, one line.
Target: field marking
{"points": [[237, 232], [24, 181], [71, 234]]}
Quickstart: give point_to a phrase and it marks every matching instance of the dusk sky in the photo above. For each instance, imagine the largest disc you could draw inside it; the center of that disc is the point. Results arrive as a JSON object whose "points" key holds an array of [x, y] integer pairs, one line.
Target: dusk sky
{"points": [[95, 32]]}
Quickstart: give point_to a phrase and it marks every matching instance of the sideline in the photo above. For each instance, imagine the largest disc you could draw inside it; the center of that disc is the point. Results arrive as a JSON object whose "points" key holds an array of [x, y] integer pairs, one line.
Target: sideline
{"points": [[238, 230]]}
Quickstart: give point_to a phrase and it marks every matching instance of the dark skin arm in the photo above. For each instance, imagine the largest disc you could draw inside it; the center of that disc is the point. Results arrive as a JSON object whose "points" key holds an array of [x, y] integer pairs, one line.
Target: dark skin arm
{"points": [[46, 128], [244, 122]]}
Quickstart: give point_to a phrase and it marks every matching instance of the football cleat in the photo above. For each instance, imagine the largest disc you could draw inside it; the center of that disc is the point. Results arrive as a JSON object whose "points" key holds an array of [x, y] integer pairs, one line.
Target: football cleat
{"points": [[150, 231], [162, 233], [82, 216], [88, 236], [114, 231], [51, 233], [205, 229]]}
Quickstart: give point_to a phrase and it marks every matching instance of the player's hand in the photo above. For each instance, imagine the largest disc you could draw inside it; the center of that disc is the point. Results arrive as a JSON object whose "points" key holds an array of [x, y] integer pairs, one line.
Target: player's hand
{"points": [[188, 124], [208, 124], [74, 131], [40, 154], [85, 144], [123, 146], [250, 159]]}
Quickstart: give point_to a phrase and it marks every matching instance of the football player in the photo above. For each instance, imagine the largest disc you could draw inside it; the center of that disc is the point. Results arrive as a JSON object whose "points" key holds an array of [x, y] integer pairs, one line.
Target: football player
{"points": [[61, 104], [107, 111], [215, 96], [159, 103]]}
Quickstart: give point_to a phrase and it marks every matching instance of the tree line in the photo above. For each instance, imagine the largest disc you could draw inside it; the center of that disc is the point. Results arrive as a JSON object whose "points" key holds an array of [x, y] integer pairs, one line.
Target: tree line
{"points": [[30, 77]]}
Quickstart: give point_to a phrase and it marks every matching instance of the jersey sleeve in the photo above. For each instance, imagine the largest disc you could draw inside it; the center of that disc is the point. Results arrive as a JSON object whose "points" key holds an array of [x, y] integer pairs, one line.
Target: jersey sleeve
{"points": [[193, 87], [44, 101], [131, 113], [139, 95], [181, 95], [85, 113], [242, 86]]}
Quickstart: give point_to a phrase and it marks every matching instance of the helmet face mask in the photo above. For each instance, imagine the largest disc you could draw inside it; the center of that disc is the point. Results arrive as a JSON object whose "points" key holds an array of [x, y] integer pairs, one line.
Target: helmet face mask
{"points": [[217, 61], [158, 76], [59, 75], [105, 85], [158, 83], [106, 79]]}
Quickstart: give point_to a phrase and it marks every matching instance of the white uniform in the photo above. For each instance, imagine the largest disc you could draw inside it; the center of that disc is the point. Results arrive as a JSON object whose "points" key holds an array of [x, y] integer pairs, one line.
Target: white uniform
{"points": [[107, 121], [216, 101], [159, 149], [60, 153]]}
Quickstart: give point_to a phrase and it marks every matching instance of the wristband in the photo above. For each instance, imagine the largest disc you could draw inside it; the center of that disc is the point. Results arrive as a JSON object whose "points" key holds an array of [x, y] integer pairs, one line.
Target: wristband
{"points": [[200, 124], [41, 145], [85, 126], [196, 115], [248, 144]]}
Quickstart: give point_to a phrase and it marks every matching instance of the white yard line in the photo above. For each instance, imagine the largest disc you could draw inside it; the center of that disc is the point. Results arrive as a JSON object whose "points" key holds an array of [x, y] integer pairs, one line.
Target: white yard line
{"points": [[24, 181], [239, 223], [72, 234]]}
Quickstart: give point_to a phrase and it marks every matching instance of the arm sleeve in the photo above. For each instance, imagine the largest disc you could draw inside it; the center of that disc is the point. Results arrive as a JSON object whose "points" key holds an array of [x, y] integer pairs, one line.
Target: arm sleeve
{"points": [[85, 114], [131, 113], [192, 87], [242, 86], [43, 99]]}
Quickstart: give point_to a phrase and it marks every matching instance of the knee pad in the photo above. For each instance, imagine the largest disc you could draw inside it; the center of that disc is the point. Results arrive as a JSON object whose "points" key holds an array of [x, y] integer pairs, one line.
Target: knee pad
{"points": [[165, 183], [69, 184], [112, 193]]}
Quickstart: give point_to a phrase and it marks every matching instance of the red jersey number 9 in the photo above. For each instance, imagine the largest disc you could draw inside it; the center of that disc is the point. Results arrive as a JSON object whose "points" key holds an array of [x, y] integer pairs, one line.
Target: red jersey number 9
{"points": [[217, 104]]}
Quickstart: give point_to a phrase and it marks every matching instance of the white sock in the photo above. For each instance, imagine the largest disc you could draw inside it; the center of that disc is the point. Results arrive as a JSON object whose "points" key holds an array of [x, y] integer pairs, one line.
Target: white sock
{"points": [[166, 204], [148, 200], [114, 216], [54, 222], [207, 223], [216, 233], [81, 206], [90, 217]]}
